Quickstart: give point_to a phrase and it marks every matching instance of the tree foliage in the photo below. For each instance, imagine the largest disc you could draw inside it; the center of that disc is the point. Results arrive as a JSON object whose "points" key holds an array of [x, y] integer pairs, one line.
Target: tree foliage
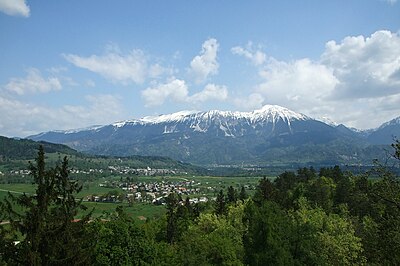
{"points": [[305, 217], [46, 225]]}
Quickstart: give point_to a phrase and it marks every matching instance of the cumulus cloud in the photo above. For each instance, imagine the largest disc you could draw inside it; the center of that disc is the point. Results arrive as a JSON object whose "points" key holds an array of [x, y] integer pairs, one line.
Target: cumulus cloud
{"points": [[349, 83], [296, 81], [176, 90], [33, 83], [366, 67], [256, 57], [206, 63], [210, 92], [15, 8], [21, 119], [157, 70]]}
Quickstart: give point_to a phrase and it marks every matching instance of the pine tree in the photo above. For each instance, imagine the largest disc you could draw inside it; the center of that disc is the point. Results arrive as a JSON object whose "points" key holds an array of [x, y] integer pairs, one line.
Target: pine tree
{"points": [[243, 194], [50, 235], [231, 195], [220, 204], [172, 205], [265, 191]]}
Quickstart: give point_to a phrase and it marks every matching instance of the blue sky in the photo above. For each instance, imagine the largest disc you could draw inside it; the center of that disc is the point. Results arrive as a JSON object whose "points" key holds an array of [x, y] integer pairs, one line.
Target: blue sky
{"points": [[72, 64]]}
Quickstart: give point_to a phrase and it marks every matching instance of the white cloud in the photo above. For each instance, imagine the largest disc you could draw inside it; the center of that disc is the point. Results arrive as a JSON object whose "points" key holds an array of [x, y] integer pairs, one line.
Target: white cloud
{"points": [[210, 92], [132, 67], [296, 82], [355, 82], [156, 71], [21, 119], [206, 63], [15, 8], [176, 90], [128, 68], [34, 82], [366, 67], [256, 57], [252, 102]]}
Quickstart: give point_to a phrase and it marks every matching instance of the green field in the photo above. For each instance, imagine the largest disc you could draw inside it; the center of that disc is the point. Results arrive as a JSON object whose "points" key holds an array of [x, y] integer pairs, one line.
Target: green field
{"points": [[209, 186]]}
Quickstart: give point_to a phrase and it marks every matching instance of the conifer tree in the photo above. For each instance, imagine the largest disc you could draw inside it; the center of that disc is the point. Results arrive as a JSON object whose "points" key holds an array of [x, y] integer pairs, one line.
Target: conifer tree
{"points": [[220, 204], [172, 205], [231, 195], [49, 234], [243, 194]]}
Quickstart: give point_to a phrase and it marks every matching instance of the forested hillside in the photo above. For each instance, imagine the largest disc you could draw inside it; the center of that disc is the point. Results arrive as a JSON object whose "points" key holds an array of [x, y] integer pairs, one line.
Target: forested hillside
{"points": [[14, 154], [307, 217], [27, 149]]}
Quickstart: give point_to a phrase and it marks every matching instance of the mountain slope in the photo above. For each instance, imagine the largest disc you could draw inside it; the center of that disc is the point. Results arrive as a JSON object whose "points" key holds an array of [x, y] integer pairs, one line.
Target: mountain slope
{"points": [[27, 149], [14, 152], [386, 133], [272, 134]]}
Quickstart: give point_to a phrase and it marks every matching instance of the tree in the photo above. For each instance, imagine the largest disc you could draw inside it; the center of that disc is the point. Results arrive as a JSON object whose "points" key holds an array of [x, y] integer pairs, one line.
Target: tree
{"points": [[212, 241], [265, 191], [220, 204], [231, 195], [286, 184], [383, 229], [324, 239], [243, 195], [321, 191], [266, 241], [50, 235], [120, 241], [306, 174], [172, 204]]}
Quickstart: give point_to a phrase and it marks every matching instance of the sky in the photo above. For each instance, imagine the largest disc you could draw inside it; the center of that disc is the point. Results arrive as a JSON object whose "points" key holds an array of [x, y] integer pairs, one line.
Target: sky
{"points": [[73, 64]]}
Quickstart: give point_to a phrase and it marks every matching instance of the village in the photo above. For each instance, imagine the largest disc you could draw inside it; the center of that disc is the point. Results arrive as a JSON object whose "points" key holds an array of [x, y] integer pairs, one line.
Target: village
{"points": [[109, 170], [152, 192]]}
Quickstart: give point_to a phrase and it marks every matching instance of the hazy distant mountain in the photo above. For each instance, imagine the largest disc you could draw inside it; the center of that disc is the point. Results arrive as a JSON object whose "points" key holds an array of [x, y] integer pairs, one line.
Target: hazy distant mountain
{"points": [[386, 133], [270, 135]]}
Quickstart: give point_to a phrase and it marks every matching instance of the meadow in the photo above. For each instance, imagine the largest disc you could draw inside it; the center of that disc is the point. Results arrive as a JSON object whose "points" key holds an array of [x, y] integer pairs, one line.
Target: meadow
{"points": [[209, 187]]}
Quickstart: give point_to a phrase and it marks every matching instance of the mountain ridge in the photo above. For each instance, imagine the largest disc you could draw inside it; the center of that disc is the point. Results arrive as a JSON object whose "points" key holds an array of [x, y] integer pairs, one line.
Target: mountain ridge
{"points": [[269, 113], [225, 137]]}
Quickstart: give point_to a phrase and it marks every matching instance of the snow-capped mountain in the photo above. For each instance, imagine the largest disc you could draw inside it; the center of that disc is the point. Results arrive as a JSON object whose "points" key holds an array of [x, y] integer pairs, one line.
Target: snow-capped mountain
{"points": [[271, 134], [386, 133], [267, 114], [226, 122]]}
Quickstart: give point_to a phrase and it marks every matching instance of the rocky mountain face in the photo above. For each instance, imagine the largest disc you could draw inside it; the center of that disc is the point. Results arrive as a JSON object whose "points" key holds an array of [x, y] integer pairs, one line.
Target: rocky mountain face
{"points": [[269, 136]]}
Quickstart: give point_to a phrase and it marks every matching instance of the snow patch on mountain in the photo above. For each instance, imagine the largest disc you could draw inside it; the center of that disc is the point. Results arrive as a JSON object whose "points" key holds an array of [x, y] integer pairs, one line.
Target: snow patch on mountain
{"points": [[175, 117], [72, 131], [392, 122], [273, 113], [201, 121], [327, 121], [268, 113]]}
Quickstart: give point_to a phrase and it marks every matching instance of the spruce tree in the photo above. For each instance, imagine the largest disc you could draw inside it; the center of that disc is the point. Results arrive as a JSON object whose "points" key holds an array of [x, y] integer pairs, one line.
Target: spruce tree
{"points": [[172, 205], [220, 203], [231, 195], [50, 236], [243, 194]]}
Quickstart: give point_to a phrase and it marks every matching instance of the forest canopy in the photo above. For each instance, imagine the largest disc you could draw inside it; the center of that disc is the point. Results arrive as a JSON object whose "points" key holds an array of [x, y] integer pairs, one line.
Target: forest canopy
{"points": [[307, 217]]}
